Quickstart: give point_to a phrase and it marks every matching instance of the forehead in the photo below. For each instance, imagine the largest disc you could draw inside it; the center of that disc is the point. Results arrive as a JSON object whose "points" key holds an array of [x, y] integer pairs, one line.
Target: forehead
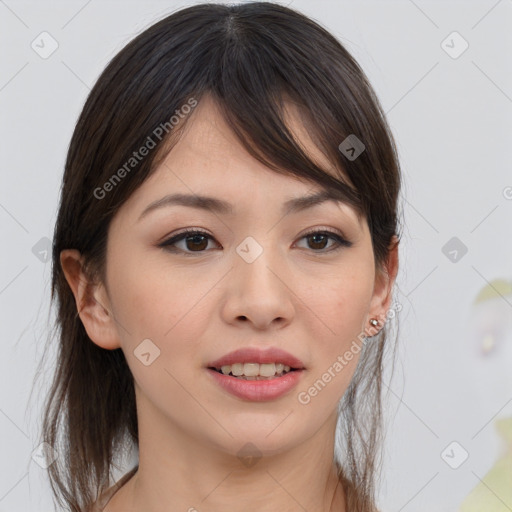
{"points": [[207, 146], [207, 133], [209, 160]]}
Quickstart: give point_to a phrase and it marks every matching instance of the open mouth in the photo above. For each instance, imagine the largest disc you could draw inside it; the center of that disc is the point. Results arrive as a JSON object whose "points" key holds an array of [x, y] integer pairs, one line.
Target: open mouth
{"points": [[256, 382], [229, 373]]}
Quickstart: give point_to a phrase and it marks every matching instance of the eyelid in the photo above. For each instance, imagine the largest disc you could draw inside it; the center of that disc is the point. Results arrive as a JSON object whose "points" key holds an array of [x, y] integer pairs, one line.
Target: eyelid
{"points": [[314, 229], [169, 236], [323, 228]]}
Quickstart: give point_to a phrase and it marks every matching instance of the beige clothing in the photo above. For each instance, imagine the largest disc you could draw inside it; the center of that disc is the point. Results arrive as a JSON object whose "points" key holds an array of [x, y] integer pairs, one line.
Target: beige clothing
{"points": [[107, 495]]}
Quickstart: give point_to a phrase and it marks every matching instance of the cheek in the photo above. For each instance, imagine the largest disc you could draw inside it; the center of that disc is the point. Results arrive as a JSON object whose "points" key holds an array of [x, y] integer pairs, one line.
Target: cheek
{"points": [[166, 306], [341, 298], [147, 299], [339, 311], [161, 327]]}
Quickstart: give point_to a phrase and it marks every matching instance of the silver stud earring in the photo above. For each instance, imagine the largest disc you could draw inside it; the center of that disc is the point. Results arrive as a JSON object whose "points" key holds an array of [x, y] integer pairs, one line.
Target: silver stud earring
{"points": [[374, 322]]}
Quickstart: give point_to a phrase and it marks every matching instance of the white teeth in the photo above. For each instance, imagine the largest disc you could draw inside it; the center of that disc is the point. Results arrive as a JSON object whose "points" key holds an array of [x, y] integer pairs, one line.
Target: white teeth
{"points": [[225, 369], [255, 369], [251, 369], [237, 369], [266, 370]]}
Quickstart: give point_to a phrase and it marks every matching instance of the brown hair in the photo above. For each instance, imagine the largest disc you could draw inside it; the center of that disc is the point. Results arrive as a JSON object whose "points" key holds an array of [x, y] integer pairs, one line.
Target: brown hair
{"points": [[251, 58]]}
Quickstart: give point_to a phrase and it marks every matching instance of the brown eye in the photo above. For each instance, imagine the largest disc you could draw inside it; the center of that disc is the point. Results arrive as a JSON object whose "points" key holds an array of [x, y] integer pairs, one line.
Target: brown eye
{"points": [[195, 241], [318, 240]]}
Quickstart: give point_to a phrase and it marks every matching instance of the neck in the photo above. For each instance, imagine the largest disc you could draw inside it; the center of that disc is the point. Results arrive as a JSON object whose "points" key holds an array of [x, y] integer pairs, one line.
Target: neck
{"points": [[179, 471]]}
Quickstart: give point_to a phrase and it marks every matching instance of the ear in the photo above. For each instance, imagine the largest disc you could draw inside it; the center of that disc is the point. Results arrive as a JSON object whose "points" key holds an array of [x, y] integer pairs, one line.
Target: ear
{"points": [[383, 286], [91, 301]]}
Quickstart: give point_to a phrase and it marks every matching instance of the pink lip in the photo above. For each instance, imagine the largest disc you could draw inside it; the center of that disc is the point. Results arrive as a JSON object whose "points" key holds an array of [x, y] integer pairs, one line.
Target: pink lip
{"points": [[257, 390], [258, 355]]}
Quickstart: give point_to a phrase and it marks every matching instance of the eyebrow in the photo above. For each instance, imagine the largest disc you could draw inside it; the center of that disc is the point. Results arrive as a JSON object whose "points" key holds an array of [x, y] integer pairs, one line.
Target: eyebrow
{"points": [[213, 204]]}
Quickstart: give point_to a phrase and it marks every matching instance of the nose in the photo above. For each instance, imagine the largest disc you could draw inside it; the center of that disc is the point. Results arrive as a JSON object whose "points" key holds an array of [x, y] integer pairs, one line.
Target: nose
{"points": [[260, 292]]}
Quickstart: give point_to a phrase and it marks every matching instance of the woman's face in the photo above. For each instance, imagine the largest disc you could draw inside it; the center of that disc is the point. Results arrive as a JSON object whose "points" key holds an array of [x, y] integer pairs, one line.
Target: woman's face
{"points": [[253, 279]]}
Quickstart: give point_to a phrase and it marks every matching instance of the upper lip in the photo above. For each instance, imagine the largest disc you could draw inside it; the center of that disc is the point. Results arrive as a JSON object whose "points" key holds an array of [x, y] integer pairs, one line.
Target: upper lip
{"points": [[258, 355]]}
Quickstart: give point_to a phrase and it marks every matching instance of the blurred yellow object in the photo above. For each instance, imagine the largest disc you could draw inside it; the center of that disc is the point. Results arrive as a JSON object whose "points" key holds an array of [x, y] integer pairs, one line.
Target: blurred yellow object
{"points": [[488, 343], [494, 492], [494, 289]]}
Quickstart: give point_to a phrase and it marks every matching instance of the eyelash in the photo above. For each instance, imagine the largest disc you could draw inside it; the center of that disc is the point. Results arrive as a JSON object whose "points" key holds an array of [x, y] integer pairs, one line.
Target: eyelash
{"points": [[167, 244]]}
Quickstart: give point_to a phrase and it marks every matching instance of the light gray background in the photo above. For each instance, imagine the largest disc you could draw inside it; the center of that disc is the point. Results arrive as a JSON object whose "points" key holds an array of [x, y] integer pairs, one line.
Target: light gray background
{"points": [[451, 118]]}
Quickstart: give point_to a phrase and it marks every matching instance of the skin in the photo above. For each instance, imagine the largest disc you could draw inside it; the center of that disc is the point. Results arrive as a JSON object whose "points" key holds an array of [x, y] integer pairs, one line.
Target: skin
{"points": [[300, 295]]}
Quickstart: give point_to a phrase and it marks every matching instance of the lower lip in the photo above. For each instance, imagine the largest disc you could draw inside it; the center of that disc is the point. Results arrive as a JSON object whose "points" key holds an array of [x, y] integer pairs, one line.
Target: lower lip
{"points": [[258, 390]]}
